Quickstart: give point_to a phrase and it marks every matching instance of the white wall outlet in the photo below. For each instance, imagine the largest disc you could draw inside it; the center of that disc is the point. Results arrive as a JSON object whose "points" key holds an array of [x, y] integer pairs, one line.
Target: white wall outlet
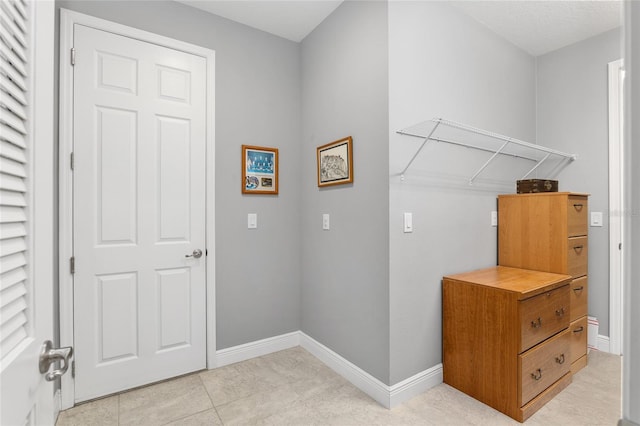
{"points": [[326, 221], [596, 219], [252, 220], [408, 222], [494, 218]]}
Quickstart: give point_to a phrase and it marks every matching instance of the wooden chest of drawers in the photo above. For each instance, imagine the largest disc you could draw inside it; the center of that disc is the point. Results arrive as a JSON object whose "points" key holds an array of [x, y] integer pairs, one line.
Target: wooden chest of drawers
{"points": [[548, 232], [506, 337]]}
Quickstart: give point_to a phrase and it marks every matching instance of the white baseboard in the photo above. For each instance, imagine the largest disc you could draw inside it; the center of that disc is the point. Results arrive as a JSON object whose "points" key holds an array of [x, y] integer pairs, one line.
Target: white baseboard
{"points": [[603, 343], [258, 348], [387, 396], [415, 385]]}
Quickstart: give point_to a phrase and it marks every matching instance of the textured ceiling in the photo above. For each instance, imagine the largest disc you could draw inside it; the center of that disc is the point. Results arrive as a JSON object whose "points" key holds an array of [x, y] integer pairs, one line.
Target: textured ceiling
{"points": [[290, 19], [539, 27]]}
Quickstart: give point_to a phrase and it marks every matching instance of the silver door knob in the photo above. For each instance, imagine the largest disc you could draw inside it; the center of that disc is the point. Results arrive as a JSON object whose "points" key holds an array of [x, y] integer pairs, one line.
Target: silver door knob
{"points": [[197, 253], [50, 355]]}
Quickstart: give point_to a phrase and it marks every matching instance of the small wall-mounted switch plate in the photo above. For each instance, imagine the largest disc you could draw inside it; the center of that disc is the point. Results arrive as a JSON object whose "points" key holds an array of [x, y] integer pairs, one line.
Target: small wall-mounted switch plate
{"points": [[494, 218], [252, 220], [325, 221], [408, 222], [596, 219]]}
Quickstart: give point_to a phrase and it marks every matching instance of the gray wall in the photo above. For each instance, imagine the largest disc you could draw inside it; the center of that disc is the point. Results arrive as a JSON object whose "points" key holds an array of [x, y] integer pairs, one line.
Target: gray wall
{"points": [[631, 349], [572, 113], [444, 64], [257, 102], [345, 293]]}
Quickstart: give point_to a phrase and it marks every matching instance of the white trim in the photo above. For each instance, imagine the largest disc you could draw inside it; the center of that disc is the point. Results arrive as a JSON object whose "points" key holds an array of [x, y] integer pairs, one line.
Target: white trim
{"points": [[67, 21], [604, 344], [387, 396], [616, 171], [258, 348], [415, 385]]}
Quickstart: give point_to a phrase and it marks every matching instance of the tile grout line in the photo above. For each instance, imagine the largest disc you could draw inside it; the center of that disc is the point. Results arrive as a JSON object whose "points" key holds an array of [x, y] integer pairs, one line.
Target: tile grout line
{"points": [[210, 399]]}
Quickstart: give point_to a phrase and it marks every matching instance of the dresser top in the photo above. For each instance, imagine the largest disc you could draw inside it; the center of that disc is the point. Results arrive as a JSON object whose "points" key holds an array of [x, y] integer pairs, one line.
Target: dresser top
{"points": [[547, 194], [524, 282]]}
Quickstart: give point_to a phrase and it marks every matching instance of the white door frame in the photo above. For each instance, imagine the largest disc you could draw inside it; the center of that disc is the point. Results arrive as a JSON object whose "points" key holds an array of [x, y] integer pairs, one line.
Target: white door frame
{"points": [[67, 21], [616, 314]]}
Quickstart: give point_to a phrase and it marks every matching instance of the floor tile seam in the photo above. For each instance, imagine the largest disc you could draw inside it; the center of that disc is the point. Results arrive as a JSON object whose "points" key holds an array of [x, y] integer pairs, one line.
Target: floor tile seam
{"points": [[213, 405]]}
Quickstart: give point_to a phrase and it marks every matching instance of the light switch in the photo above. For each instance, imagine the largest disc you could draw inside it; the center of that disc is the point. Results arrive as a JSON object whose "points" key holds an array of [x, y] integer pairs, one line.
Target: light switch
{"points": [[252, 220], [325, 221], [596, 218], [408, 222], [494, 218]]}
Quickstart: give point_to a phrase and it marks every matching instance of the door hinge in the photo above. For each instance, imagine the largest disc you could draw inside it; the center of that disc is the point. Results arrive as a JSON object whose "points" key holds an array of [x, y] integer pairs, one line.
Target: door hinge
{"points": [[206, 252], [72, 265], [71, 160], [73, 56], [73, 369]]}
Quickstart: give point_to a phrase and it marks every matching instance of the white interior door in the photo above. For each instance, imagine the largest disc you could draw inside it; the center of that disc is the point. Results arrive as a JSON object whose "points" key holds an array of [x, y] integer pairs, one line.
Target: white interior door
{"points": [[139, 211], [26, 209]]}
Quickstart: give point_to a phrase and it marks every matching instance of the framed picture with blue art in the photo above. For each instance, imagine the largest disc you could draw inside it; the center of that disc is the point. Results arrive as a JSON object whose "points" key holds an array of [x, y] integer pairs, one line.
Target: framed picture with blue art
{"points": [[259, 170]]}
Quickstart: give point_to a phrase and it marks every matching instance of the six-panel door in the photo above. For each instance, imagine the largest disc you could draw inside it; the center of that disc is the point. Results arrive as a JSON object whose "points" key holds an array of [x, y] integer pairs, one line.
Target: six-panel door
{"points": [[139, 210]]}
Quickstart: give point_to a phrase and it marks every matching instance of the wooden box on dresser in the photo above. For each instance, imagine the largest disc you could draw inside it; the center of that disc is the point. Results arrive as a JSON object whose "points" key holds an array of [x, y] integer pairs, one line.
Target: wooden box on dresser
{"points": [[506, 339], [548, 232]]}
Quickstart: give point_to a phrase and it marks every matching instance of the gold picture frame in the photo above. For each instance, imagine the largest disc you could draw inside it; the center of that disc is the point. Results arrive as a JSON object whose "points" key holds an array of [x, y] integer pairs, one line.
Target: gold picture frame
{"points": [[259, 170], [335, 162]]}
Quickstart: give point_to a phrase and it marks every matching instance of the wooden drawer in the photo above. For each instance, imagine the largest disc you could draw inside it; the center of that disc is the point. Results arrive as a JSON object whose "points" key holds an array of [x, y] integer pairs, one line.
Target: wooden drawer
{"points": [[578, 332], [577, 256], [577, 216], [579, 296], [541, 366], [543, 316]]}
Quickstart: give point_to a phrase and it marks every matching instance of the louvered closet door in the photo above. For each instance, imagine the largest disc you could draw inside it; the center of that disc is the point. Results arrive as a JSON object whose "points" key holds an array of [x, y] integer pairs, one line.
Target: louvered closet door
{"points": [[26, 303]]}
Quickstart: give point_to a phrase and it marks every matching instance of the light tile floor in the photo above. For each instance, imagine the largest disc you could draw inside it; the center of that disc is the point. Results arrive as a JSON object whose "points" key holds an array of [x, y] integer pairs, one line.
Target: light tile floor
{"points": [[292, 387]]}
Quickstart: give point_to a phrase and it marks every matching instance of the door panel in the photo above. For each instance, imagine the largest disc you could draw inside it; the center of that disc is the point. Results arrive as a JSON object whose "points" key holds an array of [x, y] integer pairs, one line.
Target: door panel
{"points": [[139, 210]]}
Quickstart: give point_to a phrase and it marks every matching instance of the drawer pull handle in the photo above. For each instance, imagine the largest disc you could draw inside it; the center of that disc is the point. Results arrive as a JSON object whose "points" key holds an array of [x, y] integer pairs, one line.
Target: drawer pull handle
{"points": [[560, 312], [560, 359], [579, 329], [579, 288], [537, 323], [576, 248], [537, 375], [578, 206]]}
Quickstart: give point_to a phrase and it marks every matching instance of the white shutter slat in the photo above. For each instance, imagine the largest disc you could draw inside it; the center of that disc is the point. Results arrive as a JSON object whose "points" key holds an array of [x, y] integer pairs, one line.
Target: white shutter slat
{"points": [[9, 118], [11, 326], [10, 40], [12, 294], [17, 32], [12, 230], [17, 18], [10, 71], [10, 342], [15, 141], [14, 60], [20, 7], [9, 135], [12, 214], [13, 168], [12, 183], [12, 278], [13, 246], [9, 263], [12, 89], [11, 198], [10, 103]]}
